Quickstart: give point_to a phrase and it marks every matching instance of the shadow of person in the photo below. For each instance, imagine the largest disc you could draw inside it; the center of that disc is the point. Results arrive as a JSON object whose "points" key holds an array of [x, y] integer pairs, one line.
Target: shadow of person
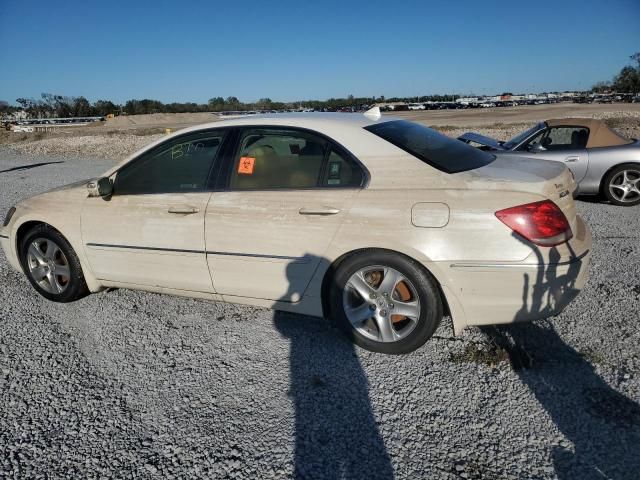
{"points": [[336, 435], [602, 425]]}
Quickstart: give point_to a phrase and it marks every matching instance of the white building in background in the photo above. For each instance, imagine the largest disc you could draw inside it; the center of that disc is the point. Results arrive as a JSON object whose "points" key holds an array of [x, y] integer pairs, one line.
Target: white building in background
{"points": [[467, 100], [15, 116]]}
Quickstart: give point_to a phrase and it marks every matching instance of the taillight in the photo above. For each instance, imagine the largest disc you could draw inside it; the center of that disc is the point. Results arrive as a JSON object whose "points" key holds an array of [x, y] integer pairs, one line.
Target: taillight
{"points": [[542, 223]]}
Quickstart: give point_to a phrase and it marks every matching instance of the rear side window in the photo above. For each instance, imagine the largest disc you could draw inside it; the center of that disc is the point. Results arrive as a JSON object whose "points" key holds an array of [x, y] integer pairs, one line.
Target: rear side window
{"points": [[180, 165], [446, 154], [290, 159], [341, 172]]}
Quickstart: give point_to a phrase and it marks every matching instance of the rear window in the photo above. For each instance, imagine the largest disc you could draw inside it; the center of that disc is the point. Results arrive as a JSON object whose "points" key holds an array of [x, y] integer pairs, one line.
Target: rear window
{"points": [[446, 154]]}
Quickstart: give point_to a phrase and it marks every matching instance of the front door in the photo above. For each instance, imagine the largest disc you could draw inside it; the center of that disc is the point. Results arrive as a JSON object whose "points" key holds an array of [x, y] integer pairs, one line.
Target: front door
{"points": [[286, 194], [151, 230], [565, 144]]}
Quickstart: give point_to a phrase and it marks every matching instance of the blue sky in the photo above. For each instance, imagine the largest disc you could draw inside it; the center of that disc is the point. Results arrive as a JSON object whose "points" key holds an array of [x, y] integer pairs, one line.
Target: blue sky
{"points": [[287, 50]]}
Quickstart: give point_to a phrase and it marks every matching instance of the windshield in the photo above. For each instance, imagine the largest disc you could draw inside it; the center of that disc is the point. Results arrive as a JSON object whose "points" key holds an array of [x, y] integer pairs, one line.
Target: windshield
{"points": [[515, 141], [446, 154]]}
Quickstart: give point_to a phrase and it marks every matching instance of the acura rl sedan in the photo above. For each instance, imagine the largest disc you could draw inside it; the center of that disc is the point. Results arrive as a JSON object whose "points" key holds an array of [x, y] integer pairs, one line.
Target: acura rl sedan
{"points": [[381, 225]]}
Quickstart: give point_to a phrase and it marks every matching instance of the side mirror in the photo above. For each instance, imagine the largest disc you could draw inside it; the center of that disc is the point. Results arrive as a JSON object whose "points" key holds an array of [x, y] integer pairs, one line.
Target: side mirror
{"points": [[536, 148], [100, 187]]}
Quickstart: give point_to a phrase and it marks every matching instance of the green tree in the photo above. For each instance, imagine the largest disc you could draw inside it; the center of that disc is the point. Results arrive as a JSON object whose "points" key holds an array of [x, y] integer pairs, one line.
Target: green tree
{"points": [[232, 103], [264, 104], [628, 80], [216, 104], [105, 107], [601, 87], [82, 107]]}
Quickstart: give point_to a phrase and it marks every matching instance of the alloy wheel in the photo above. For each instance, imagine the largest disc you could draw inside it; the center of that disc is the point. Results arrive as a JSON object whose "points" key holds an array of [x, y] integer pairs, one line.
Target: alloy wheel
{"points": [[381, 303], [625, 186], [48, 265]]}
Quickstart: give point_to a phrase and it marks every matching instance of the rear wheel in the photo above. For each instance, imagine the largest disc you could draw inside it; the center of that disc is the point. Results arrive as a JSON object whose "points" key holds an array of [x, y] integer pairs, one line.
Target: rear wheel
{"points": [[621, 186], [51, 265], [385, 302]]}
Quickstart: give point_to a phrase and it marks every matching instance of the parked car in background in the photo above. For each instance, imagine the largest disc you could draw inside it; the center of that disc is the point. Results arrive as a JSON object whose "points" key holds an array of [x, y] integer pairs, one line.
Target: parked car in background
{"points": [[381, 224], [416, 106], [602, 161]]}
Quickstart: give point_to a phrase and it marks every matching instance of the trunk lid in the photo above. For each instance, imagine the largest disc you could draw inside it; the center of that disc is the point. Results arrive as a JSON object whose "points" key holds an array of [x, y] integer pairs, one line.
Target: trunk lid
{"points": [[546, 178]]}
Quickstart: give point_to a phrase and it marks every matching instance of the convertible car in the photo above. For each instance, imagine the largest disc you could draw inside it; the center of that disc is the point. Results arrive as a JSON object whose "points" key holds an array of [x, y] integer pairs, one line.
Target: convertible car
{"points": [[602, 161], [380, 224]]}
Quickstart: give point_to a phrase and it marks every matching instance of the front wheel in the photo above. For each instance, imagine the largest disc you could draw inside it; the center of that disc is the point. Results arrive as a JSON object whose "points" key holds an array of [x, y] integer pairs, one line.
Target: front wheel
{"points": [[51, 265], [621, 186], [385, 301]]}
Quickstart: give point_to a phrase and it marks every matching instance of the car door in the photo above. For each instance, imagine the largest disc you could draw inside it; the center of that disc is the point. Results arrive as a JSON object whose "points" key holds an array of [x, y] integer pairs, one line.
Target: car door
{"points": [[565, 144], [284, 194], [150, 231]]}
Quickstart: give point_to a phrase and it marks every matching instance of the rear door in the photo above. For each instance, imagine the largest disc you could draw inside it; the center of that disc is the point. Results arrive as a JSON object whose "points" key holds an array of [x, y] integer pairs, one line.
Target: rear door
{"points": [[282, 196], [565, 144]]}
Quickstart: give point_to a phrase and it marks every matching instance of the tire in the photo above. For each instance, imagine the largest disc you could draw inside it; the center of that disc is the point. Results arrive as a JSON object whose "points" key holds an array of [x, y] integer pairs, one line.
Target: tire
{"points": [[375, 323], [51, 265], [621, 186]]}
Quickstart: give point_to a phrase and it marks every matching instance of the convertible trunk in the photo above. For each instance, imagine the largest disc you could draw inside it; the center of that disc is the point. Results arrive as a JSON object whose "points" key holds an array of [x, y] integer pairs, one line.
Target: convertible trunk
{"points": [[471, 137]]}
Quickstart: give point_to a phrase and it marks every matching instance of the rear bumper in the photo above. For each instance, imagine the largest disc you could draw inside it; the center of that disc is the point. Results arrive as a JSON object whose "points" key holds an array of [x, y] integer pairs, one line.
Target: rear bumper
{"points": [[498, 293]]}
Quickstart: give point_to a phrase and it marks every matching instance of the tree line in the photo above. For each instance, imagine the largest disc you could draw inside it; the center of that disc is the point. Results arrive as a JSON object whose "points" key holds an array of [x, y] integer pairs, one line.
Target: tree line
{"points": [[62, 106], [626, 81]]}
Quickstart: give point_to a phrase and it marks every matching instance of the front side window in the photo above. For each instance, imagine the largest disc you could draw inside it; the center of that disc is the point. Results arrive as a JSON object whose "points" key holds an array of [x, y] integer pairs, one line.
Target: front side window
{"points": [[565, 138], [180, 165], [561, 138], [446, 154], [277, 159], [515, 141]]}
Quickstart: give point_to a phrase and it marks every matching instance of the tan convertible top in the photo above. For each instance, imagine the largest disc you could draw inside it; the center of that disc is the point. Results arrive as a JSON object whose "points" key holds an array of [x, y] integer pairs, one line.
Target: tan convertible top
{"points": [[599, 134]]}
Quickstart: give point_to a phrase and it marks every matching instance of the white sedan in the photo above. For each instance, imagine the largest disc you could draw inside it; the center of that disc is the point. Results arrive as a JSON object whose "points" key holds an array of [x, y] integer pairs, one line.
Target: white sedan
{"points": [[379, 224]]}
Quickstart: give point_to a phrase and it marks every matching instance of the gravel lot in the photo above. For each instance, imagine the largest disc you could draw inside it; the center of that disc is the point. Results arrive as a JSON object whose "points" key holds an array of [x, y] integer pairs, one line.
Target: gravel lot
{"points": [[127, 384]]}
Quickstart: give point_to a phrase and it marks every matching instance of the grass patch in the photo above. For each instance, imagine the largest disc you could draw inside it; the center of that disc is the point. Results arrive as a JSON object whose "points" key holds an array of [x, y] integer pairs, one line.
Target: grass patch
{"points": [[592, 356], [490, 355], [448, 128], [138, 132]]}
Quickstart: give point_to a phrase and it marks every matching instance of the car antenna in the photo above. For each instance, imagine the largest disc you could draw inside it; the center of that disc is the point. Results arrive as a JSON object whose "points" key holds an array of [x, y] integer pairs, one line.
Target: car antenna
{"points": [[373, 113]]}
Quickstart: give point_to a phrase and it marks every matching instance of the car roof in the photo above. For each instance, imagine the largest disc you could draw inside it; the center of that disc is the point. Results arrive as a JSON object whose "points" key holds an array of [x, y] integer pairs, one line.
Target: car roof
{"points": [[312, 120], [600, 135]]}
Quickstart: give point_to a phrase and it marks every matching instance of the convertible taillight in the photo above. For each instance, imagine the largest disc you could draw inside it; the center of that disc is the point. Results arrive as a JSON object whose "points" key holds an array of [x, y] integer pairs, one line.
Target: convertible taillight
{"points": [[542, 223]]}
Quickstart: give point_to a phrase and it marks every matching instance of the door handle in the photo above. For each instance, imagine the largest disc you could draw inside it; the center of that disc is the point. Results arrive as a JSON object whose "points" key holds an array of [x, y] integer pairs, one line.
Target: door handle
{"points": [[318, 211], [571, 159], [183, 209]]}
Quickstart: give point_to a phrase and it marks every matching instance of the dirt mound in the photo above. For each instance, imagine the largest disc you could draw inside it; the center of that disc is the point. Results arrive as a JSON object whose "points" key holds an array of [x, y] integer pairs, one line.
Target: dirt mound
{"points": [[170, 120]]}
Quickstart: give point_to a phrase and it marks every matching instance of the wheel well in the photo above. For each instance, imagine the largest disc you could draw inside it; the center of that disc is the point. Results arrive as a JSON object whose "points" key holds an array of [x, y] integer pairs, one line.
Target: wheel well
{"points": [[328, 276], [606, 174], [22, 231]]}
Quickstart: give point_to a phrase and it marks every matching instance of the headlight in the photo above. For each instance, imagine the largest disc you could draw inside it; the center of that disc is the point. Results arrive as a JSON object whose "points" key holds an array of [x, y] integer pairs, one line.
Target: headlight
{"points": [[7, 219]]}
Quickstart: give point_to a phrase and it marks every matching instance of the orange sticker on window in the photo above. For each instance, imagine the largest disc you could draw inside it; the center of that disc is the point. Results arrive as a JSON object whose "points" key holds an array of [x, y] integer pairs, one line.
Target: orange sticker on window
{"points": [[246, 165]]}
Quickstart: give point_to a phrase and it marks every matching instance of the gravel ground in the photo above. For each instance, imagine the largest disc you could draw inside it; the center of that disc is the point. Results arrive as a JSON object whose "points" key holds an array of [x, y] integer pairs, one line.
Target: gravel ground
{"points": [[105, 146], [126, 384]]}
